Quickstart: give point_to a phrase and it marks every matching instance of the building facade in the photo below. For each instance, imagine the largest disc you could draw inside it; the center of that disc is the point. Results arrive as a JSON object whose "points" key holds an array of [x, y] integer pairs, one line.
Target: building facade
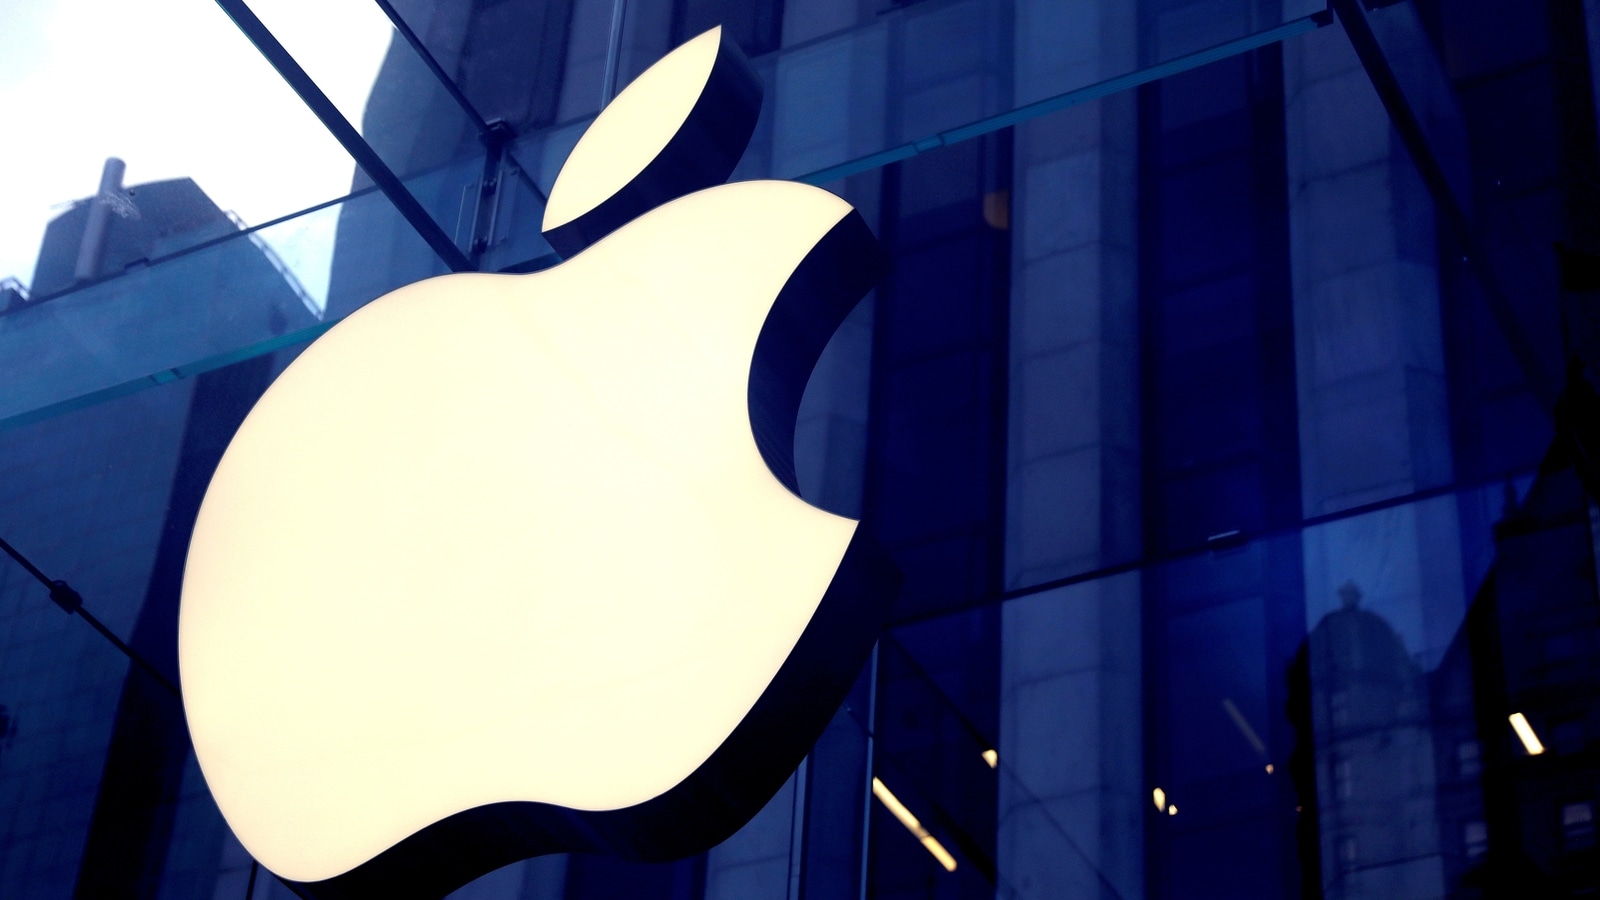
{"points": [[1227, 409]]}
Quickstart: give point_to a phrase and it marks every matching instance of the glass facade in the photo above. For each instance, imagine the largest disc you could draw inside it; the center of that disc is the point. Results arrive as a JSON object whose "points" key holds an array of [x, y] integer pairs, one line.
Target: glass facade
{"points": [[1228, 409]]}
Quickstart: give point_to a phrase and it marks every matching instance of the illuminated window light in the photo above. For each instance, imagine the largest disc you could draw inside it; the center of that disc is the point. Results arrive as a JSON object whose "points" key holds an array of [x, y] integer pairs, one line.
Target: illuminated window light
{"points": [[991, 757], [1530, 741], [1159, 797], [1172, 810], [893, 804]]}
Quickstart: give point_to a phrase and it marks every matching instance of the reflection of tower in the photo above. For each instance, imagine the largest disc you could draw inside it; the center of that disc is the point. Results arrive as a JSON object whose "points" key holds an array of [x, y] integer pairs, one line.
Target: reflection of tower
{"points": [[120, 227], [97, 313], [136, 280], [1374, 758]]}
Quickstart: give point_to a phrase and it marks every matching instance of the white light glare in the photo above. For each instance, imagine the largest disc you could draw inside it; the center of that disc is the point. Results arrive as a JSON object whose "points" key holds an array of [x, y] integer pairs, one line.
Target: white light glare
{"points": [[1530, 741], [992, 757], [1172, 810], [1160, 798], [893, 804]]}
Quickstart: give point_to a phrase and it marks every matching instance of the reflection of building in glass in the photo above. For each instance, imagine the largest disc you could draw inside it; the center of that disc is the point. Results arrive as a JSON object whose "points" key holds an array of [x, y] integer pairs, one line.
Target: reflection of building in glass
{"points": [[90, 748], [120, 227], [217, 284], [1375, 766], [1529, 647]]}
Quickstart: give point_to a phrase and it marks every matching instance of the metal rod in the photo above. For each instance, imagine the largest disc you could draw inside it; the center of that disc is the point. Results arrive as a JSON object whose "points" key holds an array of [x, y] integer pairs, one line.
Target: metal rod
{"points": [[871, 772], [608, 88], [70, 602], [23, 561], [1154, 560], [1409, 127], [1074, 97], [346, 134], [438, 71], [128, 651]]}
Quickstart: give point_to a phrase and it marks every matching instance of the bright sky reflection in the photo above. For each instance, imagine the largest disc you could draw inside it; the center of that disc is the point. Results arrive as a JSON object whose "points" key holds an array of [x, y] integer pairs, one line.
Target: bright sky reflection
{"points": [[173, 88]]}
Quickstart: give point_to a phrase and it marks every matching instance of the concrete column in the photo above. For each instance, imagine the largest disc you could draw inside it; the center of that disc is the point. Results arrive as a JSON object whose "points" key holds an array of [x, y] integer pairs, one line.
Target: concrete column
{"points": [[1071, 816], [1373, 424], [1070, 740], [1369, 356]]}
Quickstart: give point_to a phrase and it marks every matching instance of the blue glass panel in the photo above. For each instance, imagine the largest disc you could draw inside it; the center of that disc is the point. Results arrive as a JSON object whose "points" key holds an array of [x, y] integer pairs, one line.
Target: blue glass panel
{"points": [[240, 295]]}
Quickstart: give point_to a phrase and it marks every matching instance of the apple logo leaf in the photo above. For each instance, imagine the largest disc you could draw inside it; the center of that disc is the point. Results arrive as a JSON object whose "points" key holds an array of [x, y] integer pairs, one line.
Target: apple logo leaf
{"points": [[505, 565], [681, 126]]}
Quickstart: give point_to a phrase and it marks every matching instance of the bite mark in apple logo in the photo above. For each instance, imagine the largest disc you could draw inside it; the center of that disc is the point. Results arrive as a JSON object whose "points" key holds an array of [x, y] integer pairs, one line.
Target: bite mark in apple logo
{"points": [[505, 565]]}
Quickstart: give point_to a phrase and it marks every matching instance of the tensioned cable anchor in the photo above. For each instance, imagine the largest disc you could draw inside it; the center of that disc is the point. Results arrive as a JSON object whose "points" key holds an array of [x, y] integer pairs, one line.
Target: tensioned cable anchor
{"points": [[71, 602]]}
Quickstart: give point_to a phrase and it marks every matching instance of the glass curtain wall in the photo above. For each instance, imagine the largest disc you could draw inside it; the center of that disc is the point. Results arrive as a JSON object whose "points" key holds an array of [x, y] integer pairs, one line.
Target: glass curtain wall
{"points": [[1228, 409]]}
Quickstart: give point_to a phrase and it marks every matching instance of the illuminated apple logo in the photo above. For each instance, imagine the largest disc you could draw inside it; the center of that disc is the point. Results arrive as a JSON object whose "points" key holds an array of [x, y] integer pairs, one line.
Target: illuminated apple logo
{"points": [[513, 564]]}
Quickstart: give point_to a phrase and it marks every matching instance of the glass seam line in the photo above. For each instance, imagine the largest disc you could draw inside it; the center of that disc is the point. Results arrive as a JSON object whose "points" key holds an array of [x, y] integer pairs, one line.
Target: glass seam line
{"points": [[1234, 542], [922, 675], [896, 760], [1073, 97], [946, 138], [243, 232], [608, 85], [818, 177], [445, 81], [1406, 123], [821, 176], [485, 135], [164, 376], [345, 133]]}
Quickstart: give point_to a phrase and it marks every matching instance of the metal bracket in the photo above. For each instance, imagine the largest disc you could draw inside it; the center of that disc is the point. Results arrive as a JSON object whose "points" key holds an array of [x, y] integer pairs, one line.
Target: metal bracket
{"points": [[496, 135]]}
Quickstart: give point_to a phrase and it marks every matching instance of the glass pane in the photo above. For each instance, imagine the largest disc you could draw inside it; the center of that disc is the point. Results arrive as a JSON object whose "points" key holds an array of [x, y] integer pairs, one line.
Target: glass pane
{"points": [[380, 84], [842, 89], [174, 90], [348, 47], [240, 295]]}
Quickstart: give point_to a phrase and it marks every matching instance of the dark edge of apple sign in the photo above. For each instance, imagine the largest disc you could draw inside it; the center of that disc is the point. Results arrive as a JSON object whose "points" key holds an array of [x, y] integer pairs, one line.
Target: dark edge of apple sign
{"points": [[730, 787], [847, 262], [701, 154]]}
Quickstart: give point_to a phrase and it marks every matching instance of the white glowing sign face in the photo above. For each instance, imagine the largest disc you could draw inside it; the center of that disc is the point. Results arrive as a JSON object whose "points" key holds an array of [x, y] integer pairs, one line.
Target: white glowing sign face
{"points": [[510, 542]]}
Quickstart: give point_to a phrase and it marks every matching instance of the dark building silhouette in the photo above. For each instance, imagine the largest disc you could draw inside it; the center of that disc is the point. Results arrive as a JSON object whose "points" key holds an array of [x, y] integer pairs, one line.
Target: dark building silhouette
{"points": [[1527, 647], [1375, 778]]}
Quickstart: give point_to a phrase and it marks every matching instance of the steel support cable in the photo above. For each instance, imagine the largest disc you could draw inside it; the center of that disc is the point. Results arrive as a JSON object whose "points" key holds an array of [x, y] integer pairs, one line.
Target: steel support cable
{"points": [[1412, 134], [71, 602], [346, 134]]}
